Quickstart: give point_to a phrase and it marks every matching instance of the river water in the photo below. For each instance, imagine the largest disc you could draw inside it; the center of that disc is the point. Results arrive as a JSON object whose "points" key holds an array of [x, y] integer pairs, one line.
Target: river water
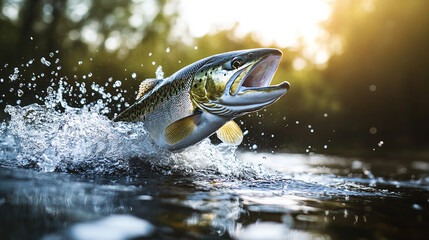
{"points": [[72, 173], [310, 197]]}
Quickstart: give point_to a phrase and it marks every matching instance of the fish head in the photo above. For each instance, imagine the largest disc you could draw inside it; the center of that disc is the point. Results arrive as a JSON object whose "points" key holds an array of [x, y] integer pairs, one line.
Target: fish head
{"points": [[234, 83]]}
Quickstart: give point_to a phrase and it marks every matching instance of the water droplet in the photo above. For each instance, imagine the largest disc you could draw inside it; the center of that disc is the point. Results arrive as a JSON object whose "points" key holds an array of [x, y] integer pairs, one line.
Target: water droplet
{"points": [[245, 132], [20, 93], [297, 122], [372, 88], [51, 54], [167, 50], [325, 115], [380, 143], [153, 63], [90, 74], [80, 62], [312, 130], [325, 146], [254, 147], [31, 38], [373, 130], [15, 75], [134, 75], [159, 73], [195, 47], [150, 54], [417, 207], [117, 84], [45, 62], [309, 126]]}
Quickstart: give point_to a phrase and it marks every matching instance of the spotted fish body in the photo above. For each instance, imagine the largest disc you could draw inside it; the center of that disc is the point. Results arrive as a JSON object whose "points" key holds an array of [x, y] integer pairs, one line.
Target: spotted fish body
{"points": [[205, 96]]}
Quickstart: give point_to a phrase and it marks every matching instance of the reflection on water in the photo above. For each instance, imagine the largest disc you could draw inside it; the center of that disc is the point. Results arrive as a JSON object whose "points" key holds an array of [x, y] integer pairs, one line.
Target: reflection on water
{"points": [[310, 197], [113, 227]]}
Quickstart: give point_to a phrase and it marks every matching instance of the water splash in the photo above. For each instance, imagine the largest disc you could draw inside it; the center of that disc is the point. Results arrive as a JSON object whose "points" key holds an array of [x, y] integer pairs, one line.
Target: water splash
{"points": [[159, 73], [54, 136], [86, 141], [75, 139]]}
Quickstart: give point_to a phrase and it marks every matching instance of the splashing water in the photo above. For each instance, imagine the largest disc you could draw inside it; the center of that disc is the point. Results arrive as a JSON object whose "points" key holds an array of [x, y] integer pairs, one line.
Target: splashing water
{"points": [[84, 140], [50, 140], [159, 73], [57, 137]]}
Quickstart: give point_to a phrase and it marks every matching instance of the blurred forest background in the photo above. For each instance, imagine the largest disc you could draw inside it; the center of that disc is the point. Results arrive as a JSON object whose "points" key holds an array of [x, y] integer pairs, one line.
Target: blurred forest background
{"points": [[369, 97]]}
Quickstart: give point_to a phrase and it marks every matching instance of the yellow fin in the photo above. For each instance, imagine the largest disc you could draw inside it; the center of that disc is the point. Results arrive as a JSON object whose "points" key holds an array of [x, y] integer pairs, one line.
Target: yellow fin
{"points": [[147, 85], [180, 129], [230, 133]]}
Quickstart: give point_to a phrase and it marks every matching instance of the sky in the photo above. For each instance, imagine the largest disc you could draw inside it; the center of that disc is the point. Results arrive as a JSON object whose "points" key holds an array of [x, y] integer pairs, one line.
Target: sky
{"points": [[287, 23]]}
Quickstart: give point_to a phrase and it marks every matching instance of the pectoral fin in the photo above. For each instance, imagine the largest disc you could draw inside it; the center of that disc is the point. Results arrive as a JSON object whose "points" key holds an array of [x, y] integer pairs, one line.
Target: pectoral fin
{"points": [[147, 85], [230, 133], [181, 129]]}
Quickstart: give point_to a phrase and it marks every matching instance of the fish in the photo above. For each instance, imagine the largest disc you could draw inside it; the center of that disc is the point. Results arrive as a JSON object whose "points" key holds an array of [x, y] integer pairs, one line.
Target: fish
{"points": [[204, 97]]}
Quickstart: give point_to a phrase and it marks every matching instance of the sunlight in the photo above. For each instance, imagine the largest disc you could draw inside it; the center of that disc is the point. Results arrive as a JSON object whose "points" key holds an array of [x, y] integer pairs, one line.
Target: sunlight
{"points": [[11, 11], [284, 23]]}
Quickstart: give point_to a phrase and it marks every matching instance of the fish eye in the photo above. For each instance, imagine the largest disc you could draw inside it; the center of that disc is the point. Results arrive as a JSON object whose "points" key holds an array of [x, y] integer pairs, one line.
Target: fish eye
{"points": [[236, 63]]}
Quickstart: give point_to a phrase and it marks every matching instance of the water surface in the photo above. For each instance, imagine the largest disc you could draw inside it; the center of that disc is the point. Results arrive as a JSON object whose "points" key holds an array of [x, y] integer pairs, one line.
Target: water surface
{"points": [[309, 197]]}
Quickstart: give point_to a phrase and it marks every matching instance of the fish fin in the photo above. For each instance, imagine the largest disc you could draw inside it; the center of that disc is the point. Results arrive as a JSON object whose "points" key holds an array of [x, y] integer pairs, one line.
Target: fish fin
{"points": [[181, 129], [230, 133], [147, 85]]}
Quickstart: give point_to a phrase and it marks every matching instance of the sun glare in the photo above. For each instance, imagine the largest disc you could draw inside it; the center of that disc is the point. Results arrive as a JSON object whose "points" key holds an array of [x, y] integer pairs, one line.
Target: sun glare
{"points": [[286, 23]]}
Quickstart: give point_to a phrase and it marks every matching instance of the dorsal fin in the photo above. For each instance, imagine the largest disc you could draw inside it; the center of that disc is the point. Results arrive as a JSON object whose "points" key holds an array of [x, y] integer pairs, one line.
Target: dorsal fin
{"points": [[230, 133], [147, 85]]}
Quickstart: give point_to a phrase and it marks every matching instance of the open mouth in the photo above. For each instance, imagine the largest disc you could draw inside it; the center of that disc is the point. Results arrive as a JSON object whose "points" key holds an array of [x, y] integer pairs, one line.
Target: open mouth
{"points": [[260, 74], [249, 88]]}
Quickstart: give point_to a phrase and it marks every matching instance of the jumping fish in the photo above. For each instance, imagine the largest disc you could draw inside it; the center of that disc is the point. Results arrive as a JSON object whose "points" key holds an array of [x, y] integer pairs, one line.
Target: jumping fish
{"points": [[205, 97]]}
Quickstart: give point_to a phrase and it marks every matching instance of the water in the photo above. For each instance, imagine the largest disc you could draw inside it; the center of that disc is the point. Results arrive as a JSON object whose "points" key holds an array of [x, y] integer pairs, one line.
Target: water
{"points": [[71, 173], [310, 197]]}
